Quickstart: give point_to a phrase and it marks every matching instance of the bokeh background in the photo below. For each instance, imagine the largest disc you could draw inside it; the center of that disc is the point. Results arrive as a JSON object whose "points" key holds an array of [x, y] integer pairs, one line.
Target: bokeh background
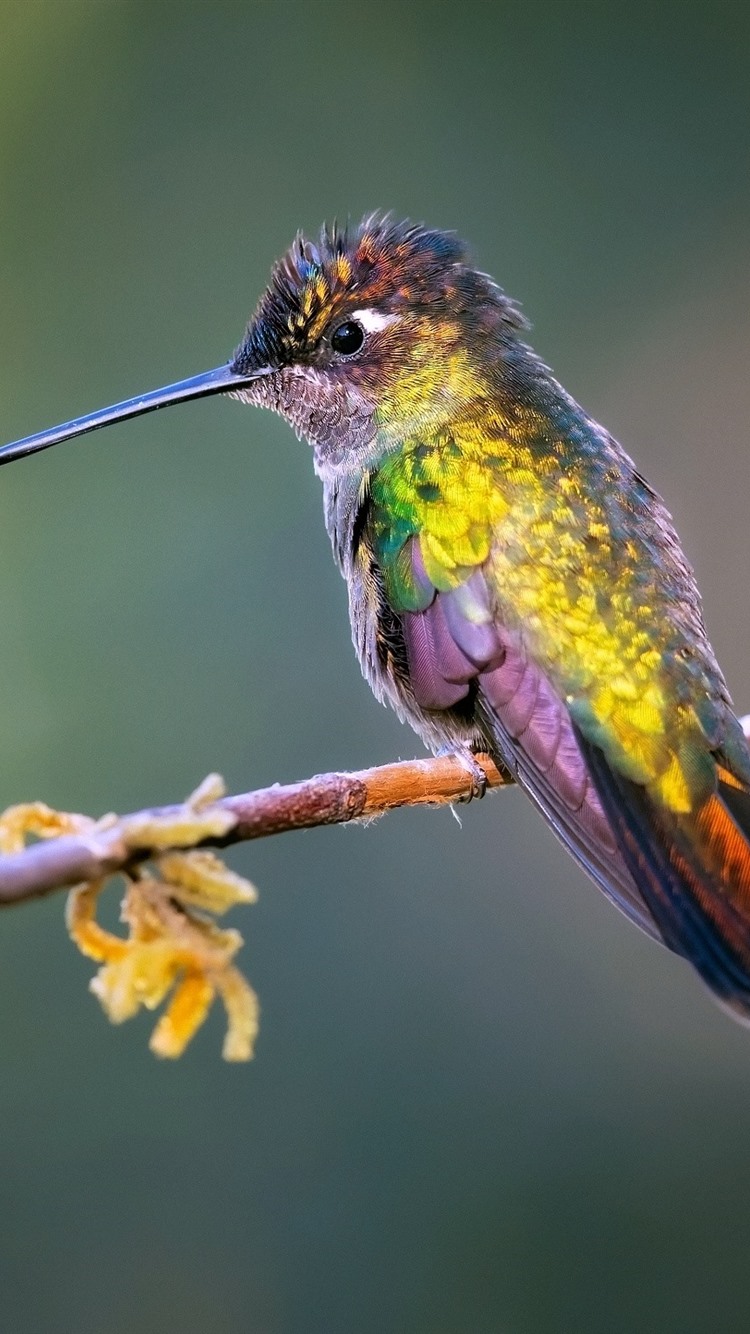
{"points": [[481, 1101]]}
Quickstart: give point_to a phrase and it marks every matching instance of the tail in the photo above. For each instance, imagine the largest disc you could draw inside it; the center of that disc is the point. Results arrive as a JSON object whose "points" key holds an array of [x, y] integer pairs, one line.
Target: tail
{"points": [[692, 870]]}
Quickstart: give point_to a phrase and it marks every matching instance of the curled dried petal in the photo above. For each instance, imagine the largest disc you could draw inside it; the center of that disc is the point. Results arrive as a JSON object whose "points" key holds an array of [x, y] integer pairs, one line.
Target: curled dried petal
{"points": [[243, 1012], [125, 985], [182, 830], [183, 1017], [212, 789], [202, 880], [40, 821], [83, 928]]}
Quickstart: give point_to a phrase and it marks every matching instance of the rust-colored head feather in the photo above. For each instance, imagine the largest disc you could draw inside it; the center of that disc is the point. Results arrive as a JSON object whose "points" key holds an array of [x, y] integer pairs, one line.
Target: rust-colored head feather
{"points": [[381, 264]]}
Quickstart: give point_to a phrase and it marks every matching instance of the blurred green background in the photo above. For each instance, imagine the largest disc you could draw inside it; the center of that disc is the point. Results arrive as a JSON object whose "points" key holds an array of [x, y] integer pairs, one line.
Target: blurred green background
{"points": [[482, 1103]]}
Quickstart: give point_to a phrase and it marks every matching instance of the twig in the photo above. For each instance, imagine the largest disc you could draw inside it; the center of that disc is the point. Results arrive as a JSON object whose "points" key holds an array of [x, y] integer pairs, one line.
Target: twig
{"points": [[334, 798]]}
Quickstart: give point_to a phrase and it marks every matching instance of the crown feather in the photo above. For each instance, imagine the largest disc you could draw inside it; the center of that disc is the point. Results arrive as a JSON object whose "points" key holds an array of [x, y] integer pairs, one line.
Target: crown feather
{"points": [[380, 262]]}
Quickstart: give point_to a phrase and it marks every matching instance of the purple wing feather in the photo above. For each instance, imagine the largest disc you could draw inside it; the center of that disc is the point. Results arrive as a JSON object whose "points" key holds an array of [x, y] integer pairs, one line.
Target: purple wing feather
{"points": [[518, 711], [438, 671], [457, 641], [471, 623], [542, 741], [545, 748], [543, 755]]}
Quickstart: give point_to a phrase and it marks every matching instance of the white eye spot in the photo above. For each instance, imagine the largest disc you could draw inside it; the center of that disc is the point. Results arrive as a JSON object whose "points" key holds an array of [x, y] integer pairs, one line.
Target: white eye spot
{"points": [[373, 321]]}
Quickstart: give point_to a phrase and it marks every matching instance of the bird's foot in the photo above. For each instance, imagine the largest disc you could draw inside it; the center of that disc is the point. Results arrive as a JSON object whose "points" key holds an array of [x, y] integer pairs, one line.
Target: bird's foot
{"points": [[468, 761]]}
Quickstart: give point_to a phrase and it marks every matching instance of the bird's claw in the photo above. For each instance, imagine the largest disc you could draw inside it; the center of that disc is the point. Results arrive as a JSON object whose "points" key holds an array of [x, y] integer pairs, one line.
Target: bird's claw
{"points": [[468, 761]]}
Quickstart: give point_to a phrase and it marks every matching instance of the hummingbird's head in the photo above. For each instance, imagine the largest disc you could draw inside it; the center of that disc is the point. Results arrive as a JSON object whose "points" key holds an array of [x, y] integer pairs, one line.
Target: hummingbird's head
{"points": [[360, 340], [372, 333]]}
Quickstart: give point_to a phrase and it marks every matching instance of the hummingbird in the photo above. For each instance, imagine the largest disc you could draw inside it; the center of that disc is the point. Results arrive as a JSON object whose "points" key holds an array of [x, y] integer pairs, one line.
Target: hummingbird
{"points": [[515, 585]]}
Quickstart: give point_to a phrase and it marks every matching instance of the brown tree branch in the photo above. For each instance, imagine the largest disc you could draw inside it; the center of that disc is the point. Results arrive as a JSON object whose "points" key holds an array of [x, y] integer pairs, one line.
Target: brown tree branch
{"points": [[336, 798], [118, 844]]}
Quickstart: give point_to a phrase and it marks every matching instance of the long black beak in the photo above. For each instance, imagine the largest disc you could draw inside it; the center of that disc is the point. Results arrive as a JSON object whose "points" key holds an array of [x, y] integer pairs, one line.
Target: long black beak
{"points": [[221, 381]]}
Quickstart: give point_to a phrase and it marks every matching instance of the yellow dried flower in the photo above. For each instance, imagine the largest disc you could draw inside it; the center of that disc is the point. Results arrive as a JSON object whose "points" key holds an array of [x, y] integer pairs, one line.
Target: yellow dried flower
{"points": [[173, 944]]}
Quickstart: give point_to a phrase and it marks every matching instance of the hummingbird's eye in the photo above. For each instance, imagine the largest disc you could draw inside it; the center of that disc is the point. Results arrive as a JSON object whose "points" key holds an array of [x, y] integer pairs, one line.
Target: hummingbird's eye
{"points": [[348, 338]]}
